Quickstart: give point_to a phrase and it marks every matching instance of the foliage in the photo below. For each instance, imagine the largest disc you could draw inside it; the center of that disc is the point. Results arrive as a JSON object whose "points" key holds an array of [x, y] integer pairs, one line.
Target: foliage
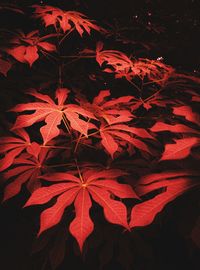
{"points": [[125, 153]]}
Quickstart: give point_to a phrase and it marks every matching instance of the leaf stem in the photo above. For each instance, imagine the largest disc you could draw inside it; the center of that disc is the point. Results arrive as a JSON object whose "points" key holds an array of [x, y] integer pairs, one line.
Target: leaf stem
{"points": [[79, 172], [56, 147], [65, 123], [58, 165], [134, 85], [62, 39], [79, 138], [155, 94], [78, 56]]}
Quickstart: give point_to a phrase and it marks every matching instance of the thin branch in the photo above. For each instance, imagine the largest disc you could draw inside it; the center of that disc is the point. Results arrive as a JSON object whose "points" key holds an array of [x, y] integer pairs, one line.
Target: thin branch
{"points": [[66, 35]]}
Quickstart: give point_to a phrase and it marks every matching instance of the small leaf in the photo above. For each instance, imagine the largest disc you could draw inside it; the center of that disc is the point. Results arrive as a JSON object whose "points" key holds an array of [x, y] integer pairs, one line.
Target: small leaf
{"points": [[188, 114], [180, 149], [144, 213]]}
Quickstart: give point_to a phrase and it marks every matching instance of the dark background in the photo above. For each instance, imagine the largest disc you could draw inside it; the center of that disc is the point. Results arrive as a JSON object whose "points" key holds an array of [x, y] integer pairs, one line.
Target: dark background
{"points": [[167, 243]]}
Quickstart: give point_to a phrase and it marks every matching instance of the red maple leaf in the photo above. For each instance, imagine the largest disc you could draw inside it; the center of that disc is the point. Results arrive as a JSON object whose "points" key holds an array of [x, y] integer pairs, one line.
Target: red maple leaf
{"points": [[187, 113], [154, 100], [91, 183], [111, 111], [144, 213], [112, 115], [155, 71], [180, 149], [11, 147], [115, 135], [153, 181], [177, 128], [65, 20], [115, 60], [119, 63], [25, 48], [26, 169], [53, 114]]}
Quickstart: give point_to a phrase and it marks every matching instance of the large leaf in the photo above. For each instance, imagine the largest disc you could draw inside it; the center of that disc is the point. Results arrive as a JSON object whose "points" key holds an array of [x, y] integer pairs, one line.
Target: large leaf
{"points": [[53, 114], [78, 187], [66, 20]]}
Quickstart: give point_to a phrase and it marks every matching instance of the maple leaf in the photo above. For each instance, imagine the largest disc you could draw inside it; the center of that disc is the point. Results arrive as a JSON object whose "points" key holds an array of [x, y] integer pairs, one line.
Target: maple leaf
{"points": [[177, 128], [155, 99], [187, 113], [119, 63], [27, 168], [114, 135], [116, 60], [155, 71], [91, 183], [180, 149], [113, 114], [53, 114], [144, 213], [153, 181], [25, 47], [174, 183], [66, 20], [11, 147], [111, 111]]}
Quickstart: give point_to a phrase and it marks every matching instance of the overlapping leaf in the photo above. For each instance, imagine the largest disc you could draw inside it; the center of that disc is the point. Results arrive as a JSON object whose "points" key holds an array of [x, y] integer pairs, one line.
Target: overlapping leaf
{"points": [[113, 115], [65, 20], [50, 112], [155, 71], [26, 169], [111, 111], [116, 60], [113, 136], [120, 64], [154, 181], [154, 100], [25, 48], [11, 147]]}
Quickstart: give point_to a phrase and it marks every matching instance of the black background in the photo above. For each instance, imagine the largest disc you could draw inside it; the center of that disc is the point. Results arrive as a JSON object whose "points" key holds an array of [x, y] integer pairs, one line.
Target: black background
{"points": [[166, 244]]}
